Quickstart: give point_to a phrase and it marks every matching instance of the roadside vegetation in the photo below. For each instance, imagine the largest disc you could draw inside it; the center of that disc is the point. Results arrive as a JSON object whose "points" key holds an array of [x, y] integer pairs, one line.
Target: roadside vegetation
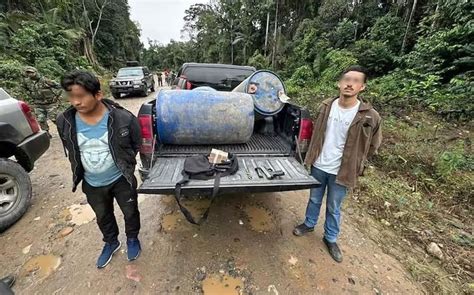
{"points": [[420, 54]]}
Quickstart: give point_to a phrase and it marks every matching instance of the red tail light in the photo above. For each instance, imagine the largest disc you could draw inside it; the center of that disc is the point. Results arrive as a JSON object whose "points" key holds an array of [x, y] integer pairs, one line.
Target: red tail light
{"points": [[188, 85], [306, 129], [25, 108], [146, 126]]}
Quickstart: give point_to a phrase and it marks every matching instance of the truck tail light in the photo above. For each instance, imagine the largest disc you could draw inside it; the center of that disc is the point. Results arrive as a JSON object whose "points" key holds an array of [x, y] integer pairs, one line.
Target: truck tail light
{"points": [[146, 126], [188, 85], [25, 108], [306, 131]]}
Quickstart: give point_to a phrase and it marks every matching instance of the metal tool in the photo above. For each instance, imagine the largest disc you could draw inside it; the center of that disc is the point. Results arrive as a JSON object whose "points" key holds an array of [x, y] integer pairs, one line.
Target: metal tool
{"points": [[247, 171], [261, 172], [269, 174], [270, 166]]}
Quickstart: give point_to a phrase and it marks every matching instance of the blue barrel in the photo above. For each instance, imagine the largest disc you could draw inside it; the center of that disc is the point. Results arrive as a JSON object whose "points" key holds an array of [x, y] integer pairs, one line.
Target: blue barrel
{"points": [[268, 85], [188, 117]]}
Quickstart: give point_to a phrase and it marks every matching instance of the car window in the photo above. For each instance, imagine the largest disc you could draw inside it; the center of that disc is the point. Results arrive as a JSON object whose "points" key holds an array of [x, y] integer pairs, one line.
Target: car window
{"points": [[219, 78], [130, 72], [180, 72]]}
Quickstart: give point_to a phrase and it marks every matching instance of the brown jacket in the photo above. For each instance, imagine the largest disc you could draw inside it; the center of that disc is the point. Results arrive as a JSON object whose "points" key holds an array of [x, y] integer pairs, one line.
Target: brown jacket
{"points": [[363, 140]]}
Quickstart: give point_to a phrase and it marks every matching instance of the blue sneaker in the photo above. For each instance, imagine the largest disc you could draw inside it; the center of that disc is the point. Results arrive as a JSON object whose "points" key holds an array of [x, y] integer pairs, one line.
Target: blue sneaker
{"points": [[133, 249], [107, 253]]}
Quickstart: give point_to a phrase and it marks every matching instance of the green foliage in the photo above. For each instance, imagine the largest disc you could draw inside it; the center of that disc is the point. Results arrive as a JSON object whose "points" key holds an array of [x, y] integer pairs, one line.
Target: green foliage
{"points": [[447, 53], [343, 35], [11, 71], [332, 12], [306, 47], [303, 76], [35, 40], [258, 61], [374, 55], [337, 61], [454, 160], [388, 29]]}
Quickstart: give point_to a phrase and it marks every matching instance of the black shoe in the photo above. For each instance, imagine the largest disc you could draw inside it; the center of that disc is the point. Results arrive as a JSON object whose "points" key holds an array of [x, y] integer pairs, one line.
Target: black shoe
{"points": [[334, 250], [302, 229], [9, 280]]}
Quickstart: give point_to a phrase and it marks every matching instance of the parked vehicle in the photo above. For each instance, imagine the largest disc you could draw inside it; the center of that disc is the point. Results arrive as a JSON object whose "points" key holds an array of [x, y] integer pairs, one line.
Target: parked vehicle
{"points": [[218, 76], [132, 80], [277, 141], [22, 139]]}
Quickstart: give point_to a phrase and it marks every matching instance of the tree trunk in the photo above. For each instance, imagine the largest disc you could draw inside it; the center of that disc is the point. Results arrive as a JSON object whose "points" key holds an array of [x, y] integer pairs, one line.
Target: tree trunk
{"points": [[266, 33], [89, 52], [408, 26], [434, 25], [275, 36]]}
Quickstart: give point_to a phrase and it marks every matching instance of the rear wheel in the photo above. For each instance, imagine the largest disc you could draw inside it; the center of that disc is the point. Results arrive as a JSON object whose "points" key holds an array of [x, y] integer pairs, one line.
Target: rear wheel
{"points": [[15, 192]]}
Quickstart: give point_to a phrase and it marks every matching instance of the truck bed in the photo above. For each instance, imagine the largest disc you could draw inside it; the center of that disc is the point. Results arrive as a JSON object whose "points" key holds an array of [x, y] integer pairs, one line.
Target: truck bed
{"points": [[258, 145]]}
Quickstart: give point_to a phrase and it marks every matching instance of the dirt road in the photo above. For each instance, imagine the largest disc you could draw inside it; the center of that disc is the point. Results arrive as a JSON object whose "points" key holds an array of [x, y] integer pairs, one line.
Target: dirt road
{"points": [[245, 246]]}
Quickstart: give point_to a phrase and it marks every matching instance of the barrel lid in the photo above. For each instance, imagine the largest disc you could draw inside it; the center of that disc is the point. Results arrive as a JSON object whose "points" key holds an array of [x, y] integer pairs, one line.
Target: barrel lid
{"points": [[266, 97], [204, 88]]}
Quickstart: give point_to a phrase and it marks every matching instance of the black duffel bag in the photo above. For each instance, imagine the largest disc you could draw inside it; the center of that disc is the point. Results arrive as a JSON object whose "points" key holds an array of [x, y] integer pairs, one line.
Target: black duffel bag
{"points": [[198, 167]]}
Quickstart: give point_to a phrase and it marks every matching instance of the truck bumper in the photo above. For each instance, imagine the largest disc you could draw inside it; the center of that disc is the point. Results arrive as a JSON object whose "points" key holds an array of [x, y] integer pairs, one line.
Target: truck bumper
{"points": [[127, 90], [30, 149]]}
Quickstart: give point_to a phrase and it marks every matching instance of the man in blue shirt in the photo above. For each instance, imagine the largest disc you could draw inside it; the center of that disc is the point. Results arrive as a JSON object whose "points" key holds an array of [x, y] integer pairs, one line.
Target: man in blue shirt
{"points": [[102, 140]]}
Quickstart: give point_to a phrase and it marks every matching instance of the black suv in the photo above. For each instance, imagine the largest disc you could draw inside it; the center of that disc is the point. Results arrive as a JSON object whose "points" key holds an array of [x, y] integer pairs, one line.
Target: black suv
{"points": [[221, 77], [131, 80]]}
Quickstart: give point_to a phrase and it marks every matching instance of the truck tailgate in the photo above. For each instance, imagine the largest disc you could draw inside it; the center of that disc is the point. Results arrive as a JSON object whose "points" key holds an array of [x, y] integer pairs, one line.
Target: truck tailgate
{"points": [[167, 172]]}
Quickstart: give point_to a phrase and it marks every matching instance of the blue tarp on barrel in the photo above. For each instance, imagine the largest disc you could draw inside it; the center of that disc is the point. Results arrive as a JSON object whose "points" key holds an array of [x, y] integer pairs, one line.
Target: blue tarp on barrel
{"points": [[188, 117]]}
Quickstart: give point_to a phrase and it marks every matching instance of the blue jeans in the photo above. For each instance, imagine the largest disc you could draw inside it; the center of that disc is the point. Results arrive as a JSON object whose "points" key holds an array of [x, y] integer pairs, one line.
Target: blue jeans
{"points": [[335, 195]]}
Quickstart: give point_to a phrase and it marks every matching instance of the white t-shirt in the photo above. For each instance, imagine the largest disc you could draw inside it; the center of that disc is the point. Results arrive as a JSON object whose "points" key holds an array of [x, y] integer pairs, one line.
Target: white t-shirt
{"points": [[338, 124]]}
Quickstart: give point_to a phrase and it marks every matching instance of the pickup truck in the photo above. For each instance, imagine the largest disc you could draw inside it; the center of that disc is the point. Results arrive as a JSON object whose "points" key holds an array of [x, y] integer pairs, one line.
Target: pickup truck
{"points": [[131, 80], [21, 138], [218, 76], [279, 142]]}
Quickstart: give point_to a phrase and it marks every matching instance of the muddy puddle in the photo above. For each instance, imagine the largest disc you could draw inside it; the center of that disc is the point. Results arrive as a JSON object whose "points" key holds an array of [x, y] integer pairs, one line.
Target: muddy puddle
{"points": [[79, 214], [41, 266], [222, 285], [259, 219], [168, 200], [176, 222]]}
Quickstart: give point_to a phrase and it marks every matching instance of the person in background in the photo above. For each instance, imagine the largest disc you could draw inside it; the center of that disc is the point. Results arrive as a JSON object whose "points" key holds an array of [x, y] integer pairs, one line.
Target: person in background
{"points": [[44, 94]]}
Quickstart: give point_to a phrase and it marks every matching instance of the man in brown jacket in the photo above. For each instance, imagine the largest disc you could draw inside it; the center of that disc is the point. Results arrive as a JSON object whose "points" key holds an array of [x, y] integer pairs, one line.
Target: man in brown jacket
{"points": [[346, 132]]}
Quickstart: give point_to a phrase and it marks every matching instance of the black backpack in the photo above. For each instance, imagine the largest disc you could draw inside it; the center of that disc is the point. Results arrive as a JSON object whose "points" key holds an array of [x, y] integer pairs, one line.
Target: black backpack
{"points": [[198, 167]]}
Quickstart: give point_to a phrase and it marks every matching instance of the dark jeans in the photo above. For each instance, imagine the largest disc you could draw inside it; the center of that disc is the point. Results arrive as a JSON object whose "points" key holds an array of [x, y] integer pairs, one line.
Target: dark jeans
{"points": [[101, 200]]}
